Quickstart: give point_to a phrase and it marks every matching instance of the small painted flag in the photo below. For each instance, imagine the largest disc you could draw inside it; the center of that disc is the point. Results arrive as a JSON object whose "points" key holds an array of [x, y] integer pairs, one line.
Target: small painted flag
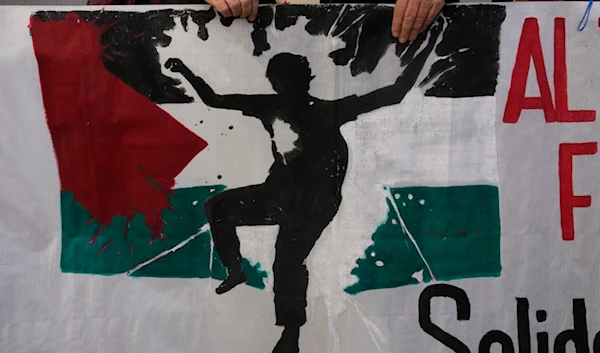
{"points": [[118, 155]]}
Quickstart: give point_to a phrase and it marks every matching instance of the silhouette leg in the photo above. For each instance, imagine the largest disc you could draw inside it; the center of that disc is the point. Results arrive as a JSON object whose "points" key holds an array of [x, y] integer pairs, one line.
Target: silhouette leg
{"points": [[253, 205], [294, 243]]}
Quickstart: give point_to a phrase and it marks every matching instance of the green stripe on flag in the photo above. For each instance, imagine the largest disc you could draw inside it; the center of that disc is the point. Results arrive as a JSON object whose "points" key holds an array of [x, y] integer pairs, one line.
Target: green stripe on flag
{"points": [[117, 252], [447, 233]]}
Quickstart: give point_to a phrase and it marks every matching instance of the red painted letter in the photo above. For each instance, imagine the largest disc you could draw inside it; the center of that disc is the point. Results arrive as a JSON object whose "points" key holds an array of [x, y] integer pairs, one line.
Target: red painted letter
{"points": [[563, 114], [530, 47], [568, 200]]}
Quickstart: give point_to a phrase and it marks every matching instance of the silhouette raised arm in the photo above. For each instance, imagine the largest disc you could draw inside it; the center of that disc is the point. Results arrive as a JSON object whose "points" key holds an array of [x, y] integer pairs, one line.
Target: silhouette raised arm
{"points": [[352, 106], [245, 103]]}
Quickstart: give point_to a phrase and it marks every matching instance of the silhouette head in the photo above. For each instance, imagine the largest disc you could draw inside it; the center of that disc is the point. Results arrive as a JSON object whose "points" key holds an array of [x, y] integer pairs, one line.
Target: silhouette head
{"points": [[289, 74]]}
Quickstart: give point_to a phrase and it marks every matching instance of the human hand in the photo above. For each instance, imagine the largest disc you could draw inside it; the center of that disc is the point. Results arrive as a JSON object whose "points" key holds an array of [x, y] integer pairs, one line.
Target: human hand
{"points": [[412, 17], [236, 8]]}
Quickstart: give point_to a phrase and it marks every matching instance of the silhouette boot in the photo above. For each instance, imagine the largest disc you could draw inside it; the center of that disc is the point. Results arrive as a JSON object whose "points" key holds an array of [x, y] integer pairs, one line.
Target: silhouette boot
{"points": [[234, 277], [288, 343]]}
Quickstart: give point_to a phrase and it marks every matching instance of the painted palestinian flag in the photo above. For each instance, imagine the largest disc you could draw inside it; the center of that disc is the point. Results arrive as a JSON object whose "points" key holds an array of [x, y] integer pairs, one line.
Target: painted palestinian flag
{"points": [[118, 155], [139, 153]]}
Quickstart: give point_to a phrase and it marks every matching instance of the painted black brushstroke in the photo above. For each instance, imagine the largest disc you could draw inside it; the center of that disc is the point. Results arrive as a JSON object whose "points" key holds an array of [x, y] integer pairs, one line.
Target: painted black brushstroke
{"points": [[46, 16], [303, 190], [436, 70], [374, 40], [131, 39], [184, 21], [264, 19], [201, 18], [321, 22], [400, 48], [471, 46], [372, 22], [347, 28], [282, 23], [410, 51], [458, 73], [288, 16], [467, 67], [226, 21], [139, 66]]}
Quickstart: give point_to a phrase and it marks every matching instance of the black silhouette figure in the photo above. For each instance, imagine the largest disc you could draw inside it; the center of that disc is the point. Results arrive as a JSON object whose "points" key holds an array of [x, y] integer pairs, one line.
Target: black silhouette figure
{"points": [[302, 192]]}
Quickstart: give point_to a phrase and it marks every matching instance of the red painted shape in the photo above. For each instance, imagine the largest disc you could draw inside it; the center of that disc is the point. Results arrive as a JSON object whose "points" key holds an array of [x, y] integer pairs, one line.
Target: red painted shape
{"points": [[110, 141], [568, 201], [563, 114], [103, 248], [530, 47]]}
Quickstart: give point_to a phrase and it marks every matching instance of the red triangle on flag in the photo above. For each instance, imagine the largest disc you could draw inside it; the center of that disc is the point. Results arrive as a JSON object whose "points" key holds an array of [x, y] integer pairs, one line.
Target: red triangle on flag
{"points": [[117, 151]]}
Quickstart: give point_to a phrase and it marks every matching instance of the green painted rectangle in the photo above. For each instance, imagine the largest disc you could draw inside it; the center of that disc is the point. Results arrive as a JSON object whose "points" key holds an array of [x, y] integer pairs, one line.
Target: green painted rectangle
{"points": [[457, 230], [121, 246]]}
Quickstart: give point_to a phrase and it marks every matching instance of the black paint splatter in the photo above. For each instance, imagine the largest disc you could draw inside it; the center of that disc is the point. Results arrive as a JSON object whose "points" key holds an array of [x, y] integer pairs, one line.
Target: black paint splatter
{"points": [[201, 18], [226, 21], [469, 50], [131, 39], [470, 46], [259, 34]]}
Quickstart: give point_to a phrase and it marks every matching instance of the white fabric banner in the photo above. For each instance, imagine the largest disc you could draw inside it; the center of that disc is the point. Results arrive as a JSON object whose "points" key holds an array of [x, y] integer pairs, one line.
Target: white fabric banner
{"points": [[174, 181]]}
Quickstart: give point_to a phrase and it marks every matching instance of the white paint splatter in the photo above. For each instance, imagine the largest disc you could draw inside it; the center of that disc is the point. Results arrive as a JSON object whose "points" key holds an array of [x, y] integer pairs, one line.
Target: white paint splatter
{"points": [[427, 84], [337, 20], [394, 222], [422, 202], [404, 204], [408, 234], [284, 137], [358, 36], [350, 26], [397, 196], [373, 254], [210, 268], [410, 196], [205, 228], [418, 276], [379, 263], [374, 331], [195, 202]]}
